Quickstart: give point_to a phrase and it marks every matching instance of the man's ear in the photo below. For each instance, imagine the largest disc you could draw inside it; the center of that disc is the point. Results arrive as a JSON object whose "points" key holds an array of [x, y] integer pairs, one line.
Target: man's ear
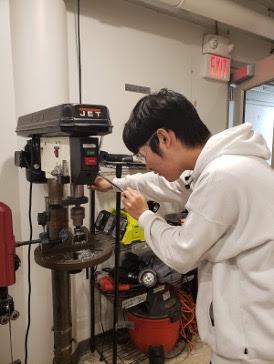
{"points": [[164, 137]]}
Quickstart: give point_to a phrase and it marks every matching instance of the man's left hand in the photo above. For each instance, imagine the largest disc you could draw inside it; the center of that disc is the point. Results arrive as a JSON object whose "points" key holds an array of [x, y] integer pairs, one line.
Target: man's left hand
{"points": [[134, 202]]}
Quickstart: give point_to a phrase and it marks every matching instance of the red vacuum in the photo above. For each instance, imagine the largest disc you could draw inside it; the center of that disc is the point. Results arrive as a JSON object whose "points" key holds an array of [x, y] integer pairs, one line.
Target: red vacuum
{"points": [[156, 321]]}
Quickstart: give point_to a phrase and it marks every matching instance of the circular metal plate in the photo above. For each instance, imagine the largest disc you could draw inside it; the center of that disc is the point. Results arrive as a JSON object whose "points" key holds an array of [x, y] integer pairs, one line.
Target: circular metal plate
{"points": [[75, 260]]}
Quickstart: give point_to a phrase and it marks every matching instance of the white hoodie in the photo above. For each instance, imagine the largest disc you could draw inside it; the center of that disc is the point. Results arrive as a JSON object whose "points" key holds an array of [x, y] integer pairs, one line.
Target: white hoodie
{"points": [[229, 236]]}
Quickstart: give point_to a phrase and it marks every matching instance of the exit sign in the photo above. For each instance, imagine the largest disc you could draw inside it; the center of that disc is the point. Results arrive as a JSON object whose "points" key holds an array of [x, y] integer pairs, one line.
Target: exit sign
{"points": [[217, 67]]}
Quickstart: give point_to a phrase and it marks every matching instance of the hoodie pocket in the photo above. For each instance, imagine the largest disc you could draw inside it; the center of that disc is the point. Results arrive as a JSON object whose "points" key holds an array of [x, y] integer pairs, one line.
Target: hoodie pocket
{"points": [[204, 301], [229, 331]]}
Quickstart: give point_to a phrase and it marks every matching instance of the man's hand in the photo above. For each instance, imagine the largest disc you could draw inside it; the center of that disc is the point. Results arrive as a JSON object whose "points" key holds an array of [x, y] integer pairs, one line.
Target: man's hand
{"points": [[134, 202], [100, 184]]}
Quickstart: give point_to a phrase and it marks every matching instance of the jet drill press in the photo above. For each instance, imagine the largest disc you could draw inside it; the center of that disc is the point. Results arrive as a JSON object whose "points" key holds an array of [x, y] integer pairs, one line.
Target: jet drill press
{"points": [[62, 152]]}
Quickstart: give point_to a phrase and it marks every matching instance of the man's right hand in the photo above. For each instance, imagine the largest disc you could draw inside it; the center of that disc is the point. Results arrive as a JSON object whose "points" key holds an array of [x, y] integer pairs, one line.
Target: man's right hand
{"points": [[100, 184]]}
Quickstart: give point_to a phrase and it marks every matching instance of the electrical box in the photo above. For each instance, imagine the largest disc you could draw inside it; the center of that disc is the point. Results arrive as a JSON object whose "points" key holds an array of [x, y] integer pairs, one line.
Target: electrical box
{"points": [[83, 160]]}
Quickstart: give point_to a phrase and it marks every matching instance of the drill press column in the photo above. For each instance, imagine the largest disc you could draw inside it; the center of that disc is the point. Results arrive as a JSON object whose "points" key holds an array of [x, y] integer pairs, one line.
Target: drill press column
{"points": [[58, 221]]}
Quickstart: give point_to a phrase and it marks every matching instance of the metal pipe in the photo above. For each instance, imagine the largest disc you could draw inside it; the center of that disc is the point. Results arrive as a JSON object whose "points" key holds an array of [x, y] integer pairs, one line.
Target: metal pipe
{"points": [[26, 242], [116, 270], [92, 277]]}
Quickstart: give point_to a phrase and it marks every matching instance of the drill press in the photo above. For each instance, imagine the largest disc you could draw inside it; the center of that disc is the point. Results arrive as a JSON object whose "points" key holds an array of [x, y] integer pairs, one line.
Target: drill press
{"points": [[62, 152]]}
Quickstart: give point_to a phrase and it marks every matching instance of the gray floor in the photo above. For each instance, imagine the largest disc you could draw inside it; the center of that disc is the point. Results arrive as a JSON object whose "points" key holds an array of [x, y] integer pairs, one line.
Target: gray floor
{"points": [[200, 355]]}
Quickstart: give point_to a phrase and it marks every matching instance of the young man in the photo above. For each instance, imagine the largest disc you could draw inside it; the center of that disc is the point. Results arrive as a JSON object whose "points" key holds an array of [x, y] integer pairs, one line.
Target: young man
{"points": [[229, 231]]}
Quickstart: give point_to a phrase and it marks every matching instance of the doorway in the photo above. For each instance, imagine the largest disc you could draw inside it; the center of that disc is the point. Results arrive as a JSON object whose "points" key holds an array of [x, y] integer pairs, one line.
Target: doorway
{"points": [[253, 102]]}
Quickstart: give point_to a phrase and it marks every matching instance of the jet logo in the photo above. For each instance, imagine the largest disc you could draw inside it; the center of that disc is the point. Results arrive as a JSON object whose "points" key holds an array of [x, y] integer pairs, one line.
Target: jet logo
{"points": [[89, 113]]}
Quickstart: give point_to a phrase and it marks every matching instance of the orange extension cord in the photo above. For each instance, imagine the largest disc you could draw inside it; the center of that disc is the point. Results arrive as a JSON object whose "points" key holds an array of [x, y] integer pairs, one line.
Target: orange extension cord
{"points": [[188, 329]]}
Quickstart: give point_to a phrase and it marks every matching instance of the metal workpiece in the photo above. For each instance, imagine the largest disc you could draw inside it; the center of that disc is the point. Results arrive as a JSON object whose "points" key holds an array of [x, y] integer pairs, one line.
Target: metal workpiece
{"points": [[79, 236], [61, 317]]}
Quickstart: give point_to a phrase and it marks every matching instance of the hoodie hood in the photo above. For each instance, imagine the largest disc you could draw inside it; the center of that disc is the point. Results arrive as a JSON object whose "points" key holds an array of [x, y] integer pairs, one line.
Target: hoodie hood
{"points": [[239, 140]]}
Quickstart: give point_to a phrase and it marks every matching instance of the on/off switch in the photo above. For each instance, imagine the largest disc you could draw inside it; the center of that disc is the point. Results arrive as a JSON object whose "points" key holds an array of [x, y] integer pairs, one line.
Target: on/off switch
{"points": [[90, 161]]}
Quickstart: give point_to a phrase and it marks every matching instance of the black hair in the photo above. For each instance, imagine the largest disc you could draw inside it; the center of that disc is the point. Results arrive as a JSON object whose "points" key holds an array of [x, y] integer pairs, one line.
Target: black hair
{"points": [[169, 110]]}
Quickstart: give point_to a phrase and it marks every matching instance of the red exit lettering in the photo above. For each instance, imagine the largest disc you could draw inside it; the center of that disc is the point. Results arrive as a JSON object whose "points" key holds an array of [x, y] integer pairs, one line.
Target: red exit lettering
{"points": [[219, 67]]}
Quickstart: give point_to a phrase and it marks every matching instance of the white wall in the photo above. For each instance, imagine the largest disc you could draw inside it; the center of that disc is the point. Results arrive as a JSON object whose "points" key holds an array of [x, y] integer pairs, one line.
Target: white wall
{"points": [[121, 43], [30, 80], [126, 43], [9, 183]]}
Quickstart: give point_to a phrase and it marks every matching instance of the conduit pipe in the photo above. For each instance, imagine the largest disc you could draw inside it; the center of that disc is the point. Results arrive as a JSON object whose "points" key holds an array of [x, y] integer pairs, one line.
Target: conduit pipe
{"points": [[223, 11]]}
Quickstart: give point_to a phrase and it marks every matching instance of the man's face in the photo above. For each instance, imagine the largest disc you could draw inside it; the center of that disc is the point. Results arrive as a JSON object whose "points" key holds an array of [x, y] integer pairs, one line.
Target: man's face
{"points": [[164, 165], [174, 157]]}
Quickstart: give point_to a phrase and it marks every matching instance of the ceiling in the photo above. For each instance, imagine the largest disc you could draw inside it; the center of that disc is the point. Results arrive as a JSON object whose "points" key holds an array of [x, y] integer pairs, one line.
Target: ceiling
{"points": [[264, 7]]}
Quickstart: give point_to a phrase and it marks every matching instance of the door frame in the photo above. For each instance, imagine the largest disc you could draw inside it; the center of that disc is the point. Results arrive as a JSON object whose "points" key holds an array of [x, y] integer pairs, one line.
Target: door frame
{"points": [[264, 73]]}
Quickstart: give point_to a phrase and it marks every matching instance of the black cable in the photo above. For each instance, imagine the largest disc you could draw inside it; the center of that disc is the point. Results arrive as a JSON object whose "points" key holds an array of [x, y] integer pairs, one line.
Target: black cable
{"points": [[79, 52], [29, 254], [216, 28]]}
